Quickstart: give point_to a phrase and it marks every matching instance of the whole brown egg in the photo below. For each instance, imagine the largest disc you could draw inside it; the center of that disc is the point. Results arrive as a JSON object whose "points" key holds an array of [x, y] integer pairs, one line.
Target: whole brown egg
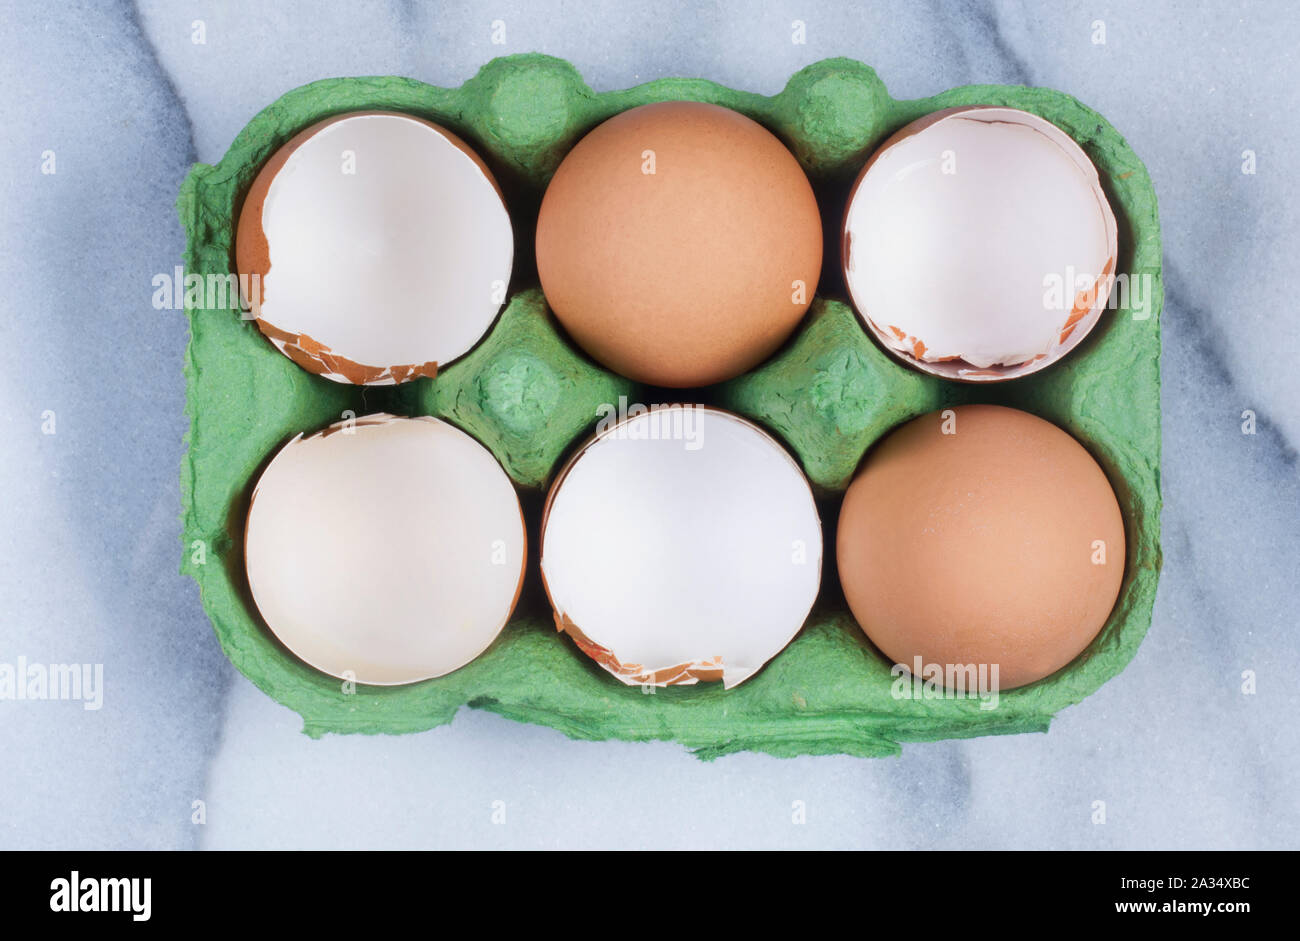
{"points": [[679, 243], [981, 535]]}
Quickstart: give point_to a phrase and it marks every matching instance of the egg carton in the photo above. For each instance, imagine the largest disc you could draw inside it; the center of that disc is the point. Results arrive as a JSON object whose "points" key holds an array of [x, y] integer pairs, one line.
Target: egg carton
{"points": [[530, 397]]}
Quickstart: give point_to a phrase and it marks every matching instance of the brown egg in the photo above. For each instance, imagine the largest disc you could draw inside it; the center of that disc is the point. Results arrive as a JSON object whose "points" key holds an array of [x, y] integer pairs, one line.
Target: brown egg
{"points": [[679, 243], [981, 535]]}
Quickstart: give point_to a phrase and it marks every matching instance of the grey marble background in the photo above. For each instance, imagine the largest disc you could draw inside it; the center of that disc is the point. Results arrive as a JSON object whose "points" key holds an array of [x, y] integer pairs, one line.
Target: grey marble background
{"points": [[89, 537]]}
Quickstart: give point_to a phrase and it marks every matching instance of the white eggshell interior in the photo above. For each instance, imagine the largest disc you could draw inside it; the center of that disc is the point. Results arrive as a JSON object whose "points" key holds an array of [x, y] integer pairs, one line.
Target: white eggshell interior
{"points": [[387, 555], [959, 259], [402, 261], [667, 552]]}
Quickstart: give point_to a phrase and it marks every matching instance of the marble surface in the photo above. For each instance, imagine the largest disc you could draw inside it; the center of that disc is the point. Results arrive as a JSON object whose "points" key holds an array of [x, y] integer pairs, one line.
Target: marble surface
{"points": [[126, 100]]}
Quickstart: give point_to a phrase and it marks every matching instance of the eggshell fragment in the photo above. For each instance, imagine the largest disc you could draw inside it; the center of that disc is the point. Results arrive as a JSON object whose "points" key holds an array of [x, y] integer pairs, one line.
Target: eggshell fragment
{"points": [[981, 535], [382, 246], [679, 243], [386, 551], [681, 545], [978, 243]]}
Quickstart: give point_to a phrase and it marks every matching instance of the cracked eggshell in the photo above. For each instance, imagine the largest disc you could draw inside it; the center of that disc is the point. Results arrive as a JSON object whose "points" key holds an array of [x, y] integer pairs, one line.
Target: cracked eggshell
{"points": [[984, 536], [387, 551], [680, 545], [978, 244], [382, 245]]}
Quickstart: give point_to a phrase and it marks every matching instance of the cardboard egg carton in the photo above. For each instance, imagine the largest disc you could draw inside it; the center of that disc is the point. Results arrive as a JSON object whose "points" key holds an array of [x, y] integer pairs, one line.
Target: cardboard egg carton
{"points": [[530, 397]]}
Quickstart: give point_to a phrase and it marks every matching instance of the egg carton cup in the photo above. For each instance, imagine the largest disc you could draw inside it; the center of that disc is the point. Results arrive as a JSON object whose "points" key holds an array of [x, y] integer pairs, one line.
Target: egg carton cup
{"points": [[830, 393]]}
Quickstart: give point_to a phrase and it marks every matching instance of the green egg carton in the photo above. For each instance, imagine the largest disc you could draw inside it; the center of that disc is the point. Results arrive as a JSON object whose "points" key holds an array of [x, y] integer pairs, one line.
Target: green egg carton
{"points": [[529, 396]]}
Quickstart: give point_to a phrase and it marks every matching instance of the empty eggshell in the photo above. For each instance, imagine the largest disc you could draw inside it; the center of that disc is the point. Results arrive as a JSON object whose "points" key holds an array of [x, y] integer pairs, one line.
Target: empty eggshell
{"points": [[680, 545], [978, 243], [382, 246], [981, 535], [386, 551]]}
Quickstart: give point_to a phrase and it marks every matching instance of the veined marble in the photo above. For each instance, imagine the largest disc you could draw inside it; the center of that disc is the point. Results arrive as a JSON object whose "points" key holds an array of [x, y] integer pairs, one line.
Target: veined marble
{"points": [[123, 98]]}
